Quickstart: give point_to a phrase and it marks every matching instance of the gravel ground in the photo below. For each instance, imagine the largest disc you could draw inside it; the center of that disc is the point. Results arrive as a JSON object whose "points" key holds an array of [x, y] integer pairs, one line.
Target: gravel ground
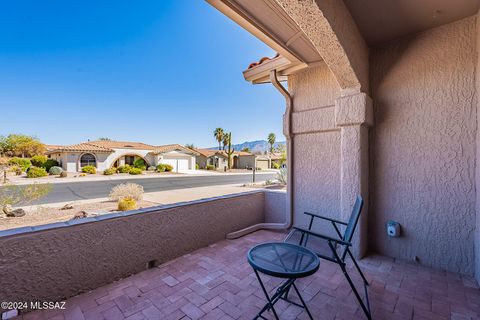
{"points": [[44, 214]]}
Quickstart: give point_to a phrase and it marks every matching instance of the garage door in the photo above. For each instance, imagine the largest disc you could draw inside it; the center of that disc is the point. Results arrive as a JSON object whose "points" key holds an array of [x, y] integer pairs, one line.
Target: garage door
{"points": [[262, 164], [178, 164]]}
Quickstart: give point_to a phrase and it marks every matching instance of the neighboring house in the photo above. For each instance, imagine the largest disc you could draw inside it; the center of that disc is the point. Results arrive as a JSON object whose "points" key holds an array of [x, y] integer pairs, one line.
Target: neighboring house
{"points": [[240, 160], [277, 158], [106, 154], [216, 158]]}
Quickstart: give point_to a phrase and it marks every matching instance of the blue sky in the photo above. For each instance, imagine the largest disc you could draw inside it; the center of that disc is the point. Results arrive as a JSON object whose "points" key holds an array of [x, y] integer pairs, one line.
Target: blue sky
{"points": [[156, 71]]}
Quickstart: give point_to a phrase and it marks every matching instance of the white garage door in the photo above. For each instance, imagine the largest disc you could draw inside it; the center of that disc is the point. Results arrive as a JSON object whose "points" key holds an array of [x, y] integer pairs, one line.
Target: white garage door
{"points": [[178, 164], [262, 164]]}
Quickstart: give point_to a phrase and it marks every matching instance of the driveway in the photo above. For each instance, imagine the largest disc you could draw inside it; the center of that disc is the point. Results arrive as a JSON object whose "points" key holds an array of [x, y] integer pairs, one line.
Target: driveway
{"points": [[73, 191]]}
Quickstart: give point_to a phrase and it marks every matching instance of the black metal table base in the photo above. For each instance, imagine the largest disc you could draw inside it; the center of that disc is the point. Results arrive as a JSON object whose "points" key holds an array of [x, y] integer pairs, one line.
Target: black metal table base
{"points": [[281, 293]]}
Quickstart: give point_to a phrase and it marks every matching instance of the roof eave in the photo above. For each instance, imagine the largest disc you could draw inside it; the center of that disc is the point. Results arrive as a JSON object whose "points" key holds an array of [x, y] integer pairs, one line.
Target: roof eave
{"points": [[261, 72]]}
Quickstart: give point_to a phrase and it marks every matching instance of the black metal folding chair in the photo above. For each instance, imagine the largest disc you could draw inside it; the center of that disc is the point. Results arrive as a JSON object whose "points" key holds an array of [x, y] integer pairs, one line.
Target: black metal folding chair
{"points": [[337, 249]]}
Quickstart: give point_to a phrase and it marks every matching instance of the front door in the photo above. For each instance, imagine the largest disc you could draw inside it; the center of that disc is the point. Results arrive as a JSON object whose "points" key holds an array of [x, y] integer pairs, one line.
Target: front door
{"points": [[129, 160]]}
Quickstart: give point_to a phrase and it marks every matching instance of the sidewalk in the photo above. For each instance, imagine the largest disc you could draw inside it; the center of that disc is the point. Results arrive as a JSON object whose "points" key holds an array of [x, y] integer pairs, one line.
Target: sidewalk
{"points": [[22, 180]]}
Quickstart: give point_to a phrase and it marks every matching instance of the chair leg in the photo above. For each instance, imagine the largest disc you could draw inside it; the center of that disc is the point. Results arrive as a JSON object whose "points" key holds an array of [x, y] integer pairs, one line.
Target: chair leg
{"points": [[365, 309], [358, 267]]}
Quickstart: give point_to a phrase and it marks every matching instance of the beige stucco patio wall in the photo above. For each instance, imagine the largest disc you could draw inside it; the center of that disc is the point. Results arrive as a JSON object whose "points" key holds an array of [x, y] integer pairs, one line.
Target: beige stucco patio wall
{"points": [[477, 169], [316, 144], [423, 146], [53, 262]]}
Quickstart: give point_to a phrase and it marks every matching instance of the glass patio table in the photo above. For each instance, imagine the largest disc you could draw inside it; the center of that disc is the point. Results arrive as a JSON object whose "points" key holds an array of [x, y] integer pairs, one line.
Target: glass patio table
{"points": [[282, 260]]}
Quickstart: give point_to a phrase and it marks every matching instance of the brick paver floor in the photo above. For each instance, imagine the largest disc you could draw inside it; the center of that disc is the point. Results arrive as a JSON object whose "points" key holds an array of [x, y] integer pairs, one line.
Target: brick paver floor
{"points": [[217, 283]]}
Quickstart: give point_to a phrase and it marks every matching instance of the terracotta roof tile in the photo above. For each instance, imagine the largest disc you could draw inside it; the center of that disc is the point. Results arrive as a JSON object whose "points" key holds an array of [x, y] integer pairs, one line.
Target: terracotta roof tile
{"points": [[172, 147], [262, 60], [82, 147], [122, 144]]}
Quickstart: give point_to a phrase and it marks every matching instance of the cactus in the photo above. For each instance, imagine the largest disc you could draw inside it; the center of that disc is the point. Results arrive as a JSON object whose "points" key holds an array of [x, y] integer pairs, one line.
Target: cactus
{"points": [[228, 148]]}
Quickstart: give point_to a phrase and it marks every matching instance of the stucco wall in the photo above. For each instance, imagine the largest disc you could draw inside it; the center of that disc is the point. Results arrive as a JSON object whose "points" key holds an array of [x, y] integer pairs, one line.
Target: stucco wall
{"points": [[423, 146], [477, 169], [275, 206], [52, 264], [316, 144]]}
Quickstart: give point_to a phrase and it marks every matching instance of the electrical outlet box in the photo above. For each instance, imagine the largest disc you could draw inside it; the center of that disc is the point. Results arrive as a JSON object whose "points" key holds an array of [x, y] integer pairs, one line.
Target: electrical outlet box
{"points": [[393, 229]]}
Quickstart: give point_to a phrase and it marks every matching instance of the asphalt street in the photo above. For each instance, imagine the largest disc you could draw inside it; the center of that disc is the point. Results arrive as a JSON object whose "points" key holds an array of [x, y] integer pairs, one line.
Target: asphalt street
{"points": [[72, 191]]}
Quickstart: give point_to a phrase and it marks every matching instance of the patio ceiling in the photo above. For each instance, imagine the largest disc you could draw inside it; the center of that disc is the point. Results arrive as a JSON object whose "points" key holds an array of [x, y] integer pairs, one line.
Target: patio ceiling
{"points": [[380, 20]]}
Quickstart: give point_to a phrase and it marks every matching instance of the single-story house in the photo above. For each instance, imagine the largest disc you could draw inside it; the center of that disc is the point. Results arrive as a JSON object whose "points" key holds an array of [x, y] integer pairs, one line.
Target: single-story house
{"points": [[216, 158], [104, 154], [277, 158], [240, 159]]}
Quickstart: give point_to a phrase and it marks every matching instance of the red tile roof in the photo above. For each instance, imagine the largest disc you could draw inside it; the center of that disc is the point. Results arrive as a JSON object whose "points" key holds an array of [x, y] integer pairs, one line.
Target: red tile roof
{"points": [[262, 60]]}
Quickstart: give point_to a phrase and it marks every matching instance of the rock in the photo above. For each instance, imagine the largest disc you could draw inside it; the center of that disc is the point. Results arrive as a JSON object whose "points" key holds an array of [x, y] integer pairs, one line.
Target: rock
{"points": [[7, 209], [63, 174], [68, 206], [17, 213], [80, 215]]}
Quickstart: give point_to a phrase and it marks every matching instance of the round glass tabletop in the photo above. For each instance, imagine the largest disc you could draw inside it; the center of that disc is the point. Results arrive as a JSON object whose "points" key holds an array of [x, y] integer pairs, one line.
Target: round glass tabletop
{"points": [[284, 260]]}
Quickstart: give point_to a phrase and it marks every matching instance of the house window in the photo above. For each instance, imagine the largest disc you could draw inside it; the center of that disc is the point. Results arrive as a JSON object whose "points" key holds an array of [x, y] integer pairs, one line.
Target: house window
{"points": [[88, 159], [129, 160]]}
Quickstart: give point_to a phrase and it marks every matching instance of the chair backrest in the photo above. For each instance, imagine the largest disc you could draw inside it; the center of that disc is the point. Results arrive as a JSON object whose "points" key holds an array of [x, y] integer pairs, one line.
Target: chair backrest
{"points": [[352, 222]]}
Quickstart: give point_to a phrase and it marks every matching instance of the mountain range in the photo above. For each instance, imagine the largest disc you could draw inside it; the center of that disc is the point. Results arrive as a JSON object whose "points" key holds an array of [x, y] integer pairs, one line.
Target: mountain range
{"points": [[259, 146]]}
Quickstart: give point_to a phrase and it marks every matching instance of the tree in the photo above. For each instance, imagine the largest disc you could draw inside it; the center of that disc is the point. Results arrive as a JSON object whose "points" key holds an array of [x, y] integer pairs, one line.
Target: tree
{"points": [[271, 141], [12, 195], [3, 145], [218, 133], [190, 146], [228, 148], [22, 145], [245, 149]]}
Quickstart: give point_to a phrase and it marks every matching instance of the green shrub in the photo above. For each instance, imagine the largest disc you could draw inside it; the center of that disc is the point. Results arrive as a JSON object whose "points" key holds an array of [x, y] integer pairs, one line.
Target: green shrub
{"points": [[50, 163], [36, 172], [275, 165], [23, 163], [126, 204], [161, 167], [55, 171], [210, 167], [38, 161], [124, 169], [89, 169], [140, 164], [109, 172], [135, 171], [168, 167], [197, 166]]}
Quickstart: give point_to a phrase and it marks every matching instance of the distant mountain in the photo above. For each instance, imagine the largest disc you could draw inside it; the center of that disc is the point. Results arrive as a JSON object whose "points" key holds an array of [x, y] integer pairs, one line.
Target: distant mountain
{"points": [[259, 146]]}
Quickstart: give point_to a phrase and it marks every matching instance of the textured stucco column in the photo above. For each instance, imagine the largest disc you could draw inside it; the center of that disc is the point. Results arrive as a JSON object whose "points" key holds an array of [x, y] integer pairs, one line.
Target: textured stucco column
{"points": [[354, 115]]}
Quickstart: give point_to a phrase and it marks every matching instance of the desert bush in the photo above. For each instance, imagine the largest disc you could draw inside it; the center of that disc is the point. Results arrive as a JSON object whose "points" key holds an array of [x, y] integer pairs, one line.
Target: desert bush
{"points": [[38, 161], [50, 163], [275, 165], [36, 172], [23, 163], [55, 171], [89, 169], [210, 167], [124, 169], [135, 171], [152, 168], [282, 176], [126, 204], [13, 195], [64, 174], [197, 166], [161, 167], [139, 163], [110, 171], [82, 175], [168, 168], [15, 169], [126, 190]]}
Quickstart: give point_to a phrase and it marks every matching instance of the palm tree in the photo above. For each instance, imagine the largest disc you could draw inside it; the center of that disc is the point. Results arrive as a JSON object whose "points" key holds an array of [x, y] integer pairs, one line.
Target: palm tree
{"points": [[245, 149], [219, 135], [271, 141], [190, 146]]}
